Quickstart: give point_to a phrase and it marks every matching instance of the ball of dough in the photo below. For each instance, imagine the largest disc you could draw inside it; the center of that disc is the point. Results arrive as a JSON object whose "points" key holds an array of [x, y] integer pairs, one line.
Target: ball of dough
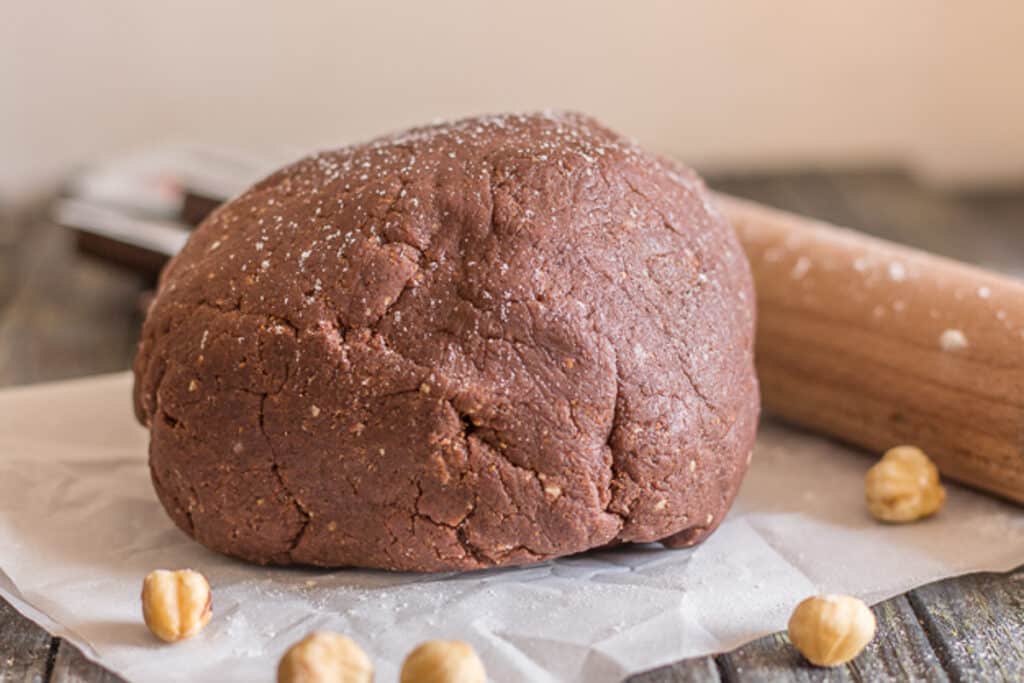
{"points": [[477, 344]]}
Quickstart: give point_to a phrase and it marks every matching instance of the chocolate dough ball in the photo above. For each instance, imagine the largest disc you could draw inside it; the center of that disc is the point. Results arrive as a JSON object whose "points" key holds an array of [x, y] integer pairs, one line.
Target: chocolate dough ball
{"points": [[477, 344]]}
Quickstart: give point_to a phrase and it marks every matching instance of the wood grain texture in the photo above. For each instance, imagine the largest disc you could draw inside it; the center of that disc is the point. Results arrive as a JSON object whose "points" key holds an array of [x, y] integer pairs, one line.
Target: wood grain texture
{"points": [[12, 239], [24, 648], [71, 666], [699, 670], [64, 316], [899, 652], [976, 625], [879, 344], [773, 658]]}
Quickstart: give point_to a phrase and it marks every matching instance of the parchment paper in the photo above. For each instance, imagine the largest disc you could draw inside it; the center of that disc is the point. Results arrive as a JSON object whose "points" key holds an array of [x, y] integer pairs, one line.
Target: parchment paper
{"points": [[80, 527]]}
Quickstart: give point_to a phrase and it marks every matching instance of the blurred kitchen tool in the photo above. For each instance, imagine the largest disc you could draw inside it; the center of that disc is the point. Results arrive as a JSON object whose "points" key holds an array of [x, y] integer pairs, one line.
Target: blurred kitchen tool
{"points": [[140, 243], [137, 211]]}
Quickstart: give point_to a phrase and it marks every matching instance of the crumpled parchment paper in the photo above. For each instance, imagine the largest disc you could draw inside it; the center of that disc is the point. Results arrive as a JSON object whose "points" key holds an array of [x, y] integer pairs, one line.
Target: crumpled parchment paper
{"points": [[80, 527]]}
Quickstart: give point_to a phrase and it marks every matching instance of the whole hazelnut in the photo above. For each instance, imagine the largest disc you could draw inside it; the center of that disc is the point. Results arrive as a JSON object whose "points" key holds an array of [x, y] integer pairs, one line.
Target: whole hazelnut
{"points": [[176, 604], [325, 657], [903, 486], [443, 661], [831, 629]]}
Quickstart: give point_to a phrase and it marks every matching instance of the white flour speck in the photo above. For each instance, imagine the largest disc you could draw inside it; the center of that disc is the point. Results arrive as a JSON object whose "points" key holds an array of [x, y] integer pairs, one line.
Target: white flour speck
{"points": [[952, 340], [897, 272], [803, 264], [984, 292]]}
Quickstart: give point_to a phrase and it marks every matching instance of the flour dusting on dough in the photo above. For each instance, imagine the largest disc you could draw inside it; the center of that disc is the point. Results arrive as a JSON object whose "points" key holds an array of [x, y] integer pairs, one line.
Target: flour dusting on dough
{"points": [[952, 340]]}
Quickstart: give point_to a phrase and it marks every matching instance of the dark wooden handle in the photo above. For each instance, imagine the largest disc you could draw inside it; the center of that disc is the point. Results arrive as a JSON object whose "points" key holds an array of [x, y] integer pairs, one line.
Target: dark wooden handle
{"points": [[878, 345]]}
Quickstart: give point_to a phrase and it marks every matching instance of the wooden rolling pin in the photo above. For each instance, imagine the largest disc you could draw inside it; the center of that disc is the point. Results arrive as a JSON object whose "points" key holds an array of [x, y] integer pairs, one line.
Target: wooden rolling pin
{"points": [[879, 345]]}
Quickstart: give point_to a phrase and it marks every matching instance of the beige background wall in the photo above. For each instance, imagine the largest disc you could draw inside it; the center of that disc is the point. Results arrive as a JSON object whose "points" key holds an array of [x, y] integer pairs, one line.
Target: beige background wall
{"points": [[939, 85]]}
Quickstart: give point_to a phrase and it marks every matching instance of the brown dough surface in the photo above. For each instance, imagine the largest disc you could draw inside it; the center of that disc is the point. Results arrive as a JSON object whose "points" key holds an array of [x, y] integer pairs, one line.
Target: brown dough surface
{"points": [[483, 343]]}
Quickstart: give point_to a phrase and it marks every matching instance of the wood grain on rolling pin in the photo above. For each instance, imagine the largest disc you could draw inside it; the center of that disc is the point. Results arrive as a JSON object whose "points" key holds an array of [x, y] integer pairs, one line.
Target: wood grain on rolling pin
{"points": [[878, 344]]}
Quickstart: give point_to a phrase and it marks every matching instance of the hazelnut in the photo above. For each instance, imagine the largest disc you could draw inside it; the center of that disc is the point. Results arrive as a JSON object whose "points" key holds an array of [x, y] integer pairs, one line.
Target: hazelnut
{"points": [[831, 629], [443, 661], [176, 605], [903, 486], [325, 657]]}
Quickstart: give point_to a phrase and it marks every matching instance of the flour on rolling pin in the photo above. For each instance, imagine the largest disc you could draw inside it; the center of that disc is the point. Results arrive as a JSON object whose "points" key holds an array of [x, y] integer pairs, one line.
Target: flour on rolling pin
{"points": [[878, 344]]}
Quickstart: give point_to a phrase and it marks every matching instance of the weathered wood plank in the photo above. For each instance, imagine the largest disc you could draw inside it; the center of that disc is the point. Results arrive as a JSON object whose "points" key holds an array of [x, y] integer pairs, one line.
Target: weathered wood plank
{"points": [[12, 243], [810, 193], [1002, 216], [67, 316], [975, 625], [772, 658], [939, 223], [71, 666], [25, 649], [699, 670], [900, 651]]}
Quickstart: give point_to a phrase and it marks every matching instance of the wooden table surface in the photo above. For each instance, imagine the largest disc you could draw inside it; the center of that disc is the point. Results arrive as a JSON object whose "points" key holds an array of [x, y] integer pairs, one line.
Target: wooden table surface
{"points": [[63, 316]]}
